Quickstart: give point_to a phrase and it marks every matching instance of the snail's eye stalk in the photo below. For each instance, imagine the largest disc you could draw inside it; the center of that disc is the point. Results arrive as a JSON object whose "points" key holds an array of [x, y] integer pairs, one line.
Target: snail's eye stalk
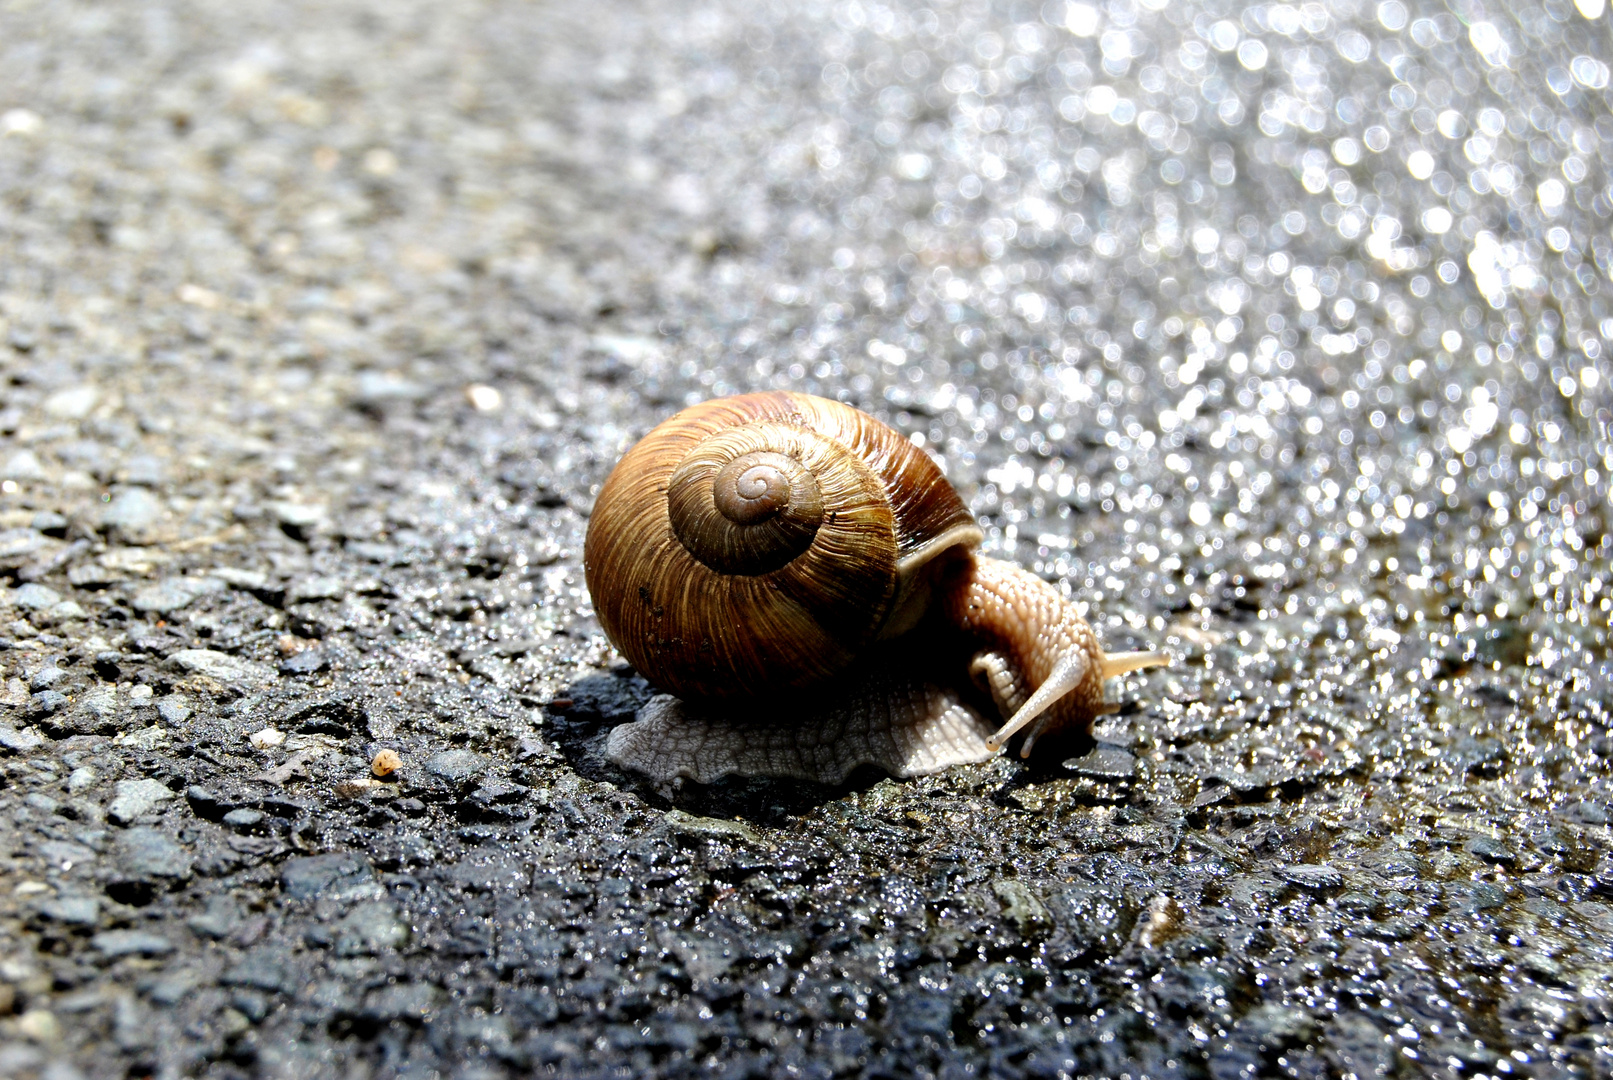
{"points": [[1070, 671], [1121, 662], [1067, 674]]}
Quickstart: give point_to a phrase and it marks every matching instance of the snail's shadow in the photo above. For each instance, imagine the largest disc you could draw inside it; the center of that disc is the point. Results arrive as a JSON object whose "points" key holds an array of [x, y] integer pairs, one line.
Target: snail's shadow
{"points": [[599, 703]]}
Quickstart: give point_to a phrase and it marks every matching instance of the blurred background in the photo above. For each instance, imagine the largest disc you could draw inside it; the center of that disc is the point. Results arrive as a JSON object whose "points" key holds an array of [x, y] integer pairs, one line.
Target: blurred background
{"points": [[1274, 333]]}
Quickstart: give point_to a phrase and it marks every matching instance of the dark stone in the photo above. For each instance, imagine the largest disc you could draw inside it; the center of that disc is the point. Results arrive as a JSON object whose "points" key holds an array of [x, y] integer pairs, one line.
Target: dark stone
{"points": [[456, 766], [1586, 812], [340, 717], [1481, 757], [250, 1004], [263, 969], [147, 853], [916, 1016], [1490, 850], [206, 803], [1356, 903], [47, 703], [244, 818], [317, 875]]}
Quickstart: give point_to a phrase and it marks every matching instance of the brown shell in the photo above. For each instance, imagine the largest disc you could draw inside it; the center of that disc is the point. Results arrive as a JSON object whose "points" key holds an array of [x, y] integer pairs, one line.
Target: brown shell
{"points": [[751, 600]]}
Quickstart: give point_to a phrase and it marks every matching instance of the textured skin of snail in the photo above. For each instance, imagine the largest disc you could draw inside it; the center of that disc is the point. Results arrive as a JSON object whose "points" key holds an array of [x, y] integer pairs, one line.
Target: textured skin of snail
{"points": [[800, 581]]}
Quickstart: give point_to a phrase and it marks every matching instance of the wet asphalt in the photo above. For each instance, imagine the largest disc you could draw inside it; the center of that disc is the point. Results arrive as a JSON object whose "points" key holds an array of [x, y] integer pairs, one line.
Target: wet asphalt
{"points": [[1276, 334]]}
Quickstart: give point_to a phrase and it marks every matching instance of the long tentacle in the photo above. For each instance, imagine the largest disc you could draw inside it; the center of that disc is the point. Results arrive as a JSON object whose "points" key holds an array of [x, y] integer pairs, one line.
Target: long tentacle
{"points": [[1066, 675], [1121, 662]]}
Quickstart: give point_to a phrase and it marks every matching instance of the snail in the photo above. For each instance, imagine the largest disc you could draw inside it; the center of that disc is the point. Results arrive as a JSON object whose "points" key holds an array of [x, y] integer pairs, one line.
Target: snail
{"points": [[801, 583]]}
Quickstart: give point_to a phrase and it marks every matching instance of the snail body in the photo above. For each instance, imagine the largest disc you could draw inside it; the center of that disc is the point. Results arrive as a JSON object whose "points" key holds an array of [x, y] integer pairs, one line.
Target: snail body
{"points": [[801, 580]]}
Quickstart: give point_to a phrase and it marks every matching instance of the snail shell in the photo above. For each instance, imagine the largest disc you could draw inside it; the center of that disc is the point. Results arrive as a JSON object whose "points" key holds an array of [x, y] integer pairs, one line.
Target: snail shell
{"points": [[760, 543], [785, 549]]}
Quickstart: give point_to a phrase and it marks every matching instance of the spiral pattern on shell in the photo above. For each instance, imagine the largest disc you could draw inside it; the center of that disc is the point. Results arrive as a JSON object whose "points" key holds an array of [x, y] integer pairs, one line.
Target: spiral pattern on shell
{"points": [[754, 543]]}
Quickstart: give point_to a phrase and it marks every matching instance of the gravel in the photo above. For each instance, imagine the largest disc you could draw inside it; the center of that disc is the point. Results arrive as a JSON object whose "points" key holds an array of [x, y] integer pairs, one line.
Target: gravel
{"points": [[1275, 333]]}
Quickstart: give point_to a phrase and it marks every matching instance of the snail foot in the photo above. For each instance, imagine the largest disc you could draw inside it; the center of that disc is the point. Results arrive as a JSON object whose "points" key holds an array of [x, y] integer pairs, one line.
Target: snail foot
{"points": [[905, 727]]}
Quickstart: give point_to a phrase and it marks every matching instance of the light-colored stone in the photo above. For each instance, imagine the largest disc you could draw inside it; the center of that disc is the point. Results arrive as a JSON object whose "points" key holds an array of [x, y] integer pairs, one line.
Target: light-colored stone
{"points": [[133, 799], [73, 403], [222, 667]]}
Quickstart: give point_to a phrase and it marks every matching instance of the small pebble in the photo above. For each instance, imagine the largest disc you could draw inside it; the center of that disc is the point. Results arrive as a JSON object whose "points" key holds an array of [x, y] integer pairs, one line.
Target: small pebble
{"points": [[73, 403], [266, 739], [115, 943], [386, 763], [291, 645], [174, 594], [135, 798], [39, 1025], [71, 910], [133, 512], [307, 662], [23, 465], [35, 597], [221, 667], [243, 818], [50, 522], [46, 677], [483, 398], [1162, 922], [297, 516], [20, 742], [47, 703], [67, 609]]}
